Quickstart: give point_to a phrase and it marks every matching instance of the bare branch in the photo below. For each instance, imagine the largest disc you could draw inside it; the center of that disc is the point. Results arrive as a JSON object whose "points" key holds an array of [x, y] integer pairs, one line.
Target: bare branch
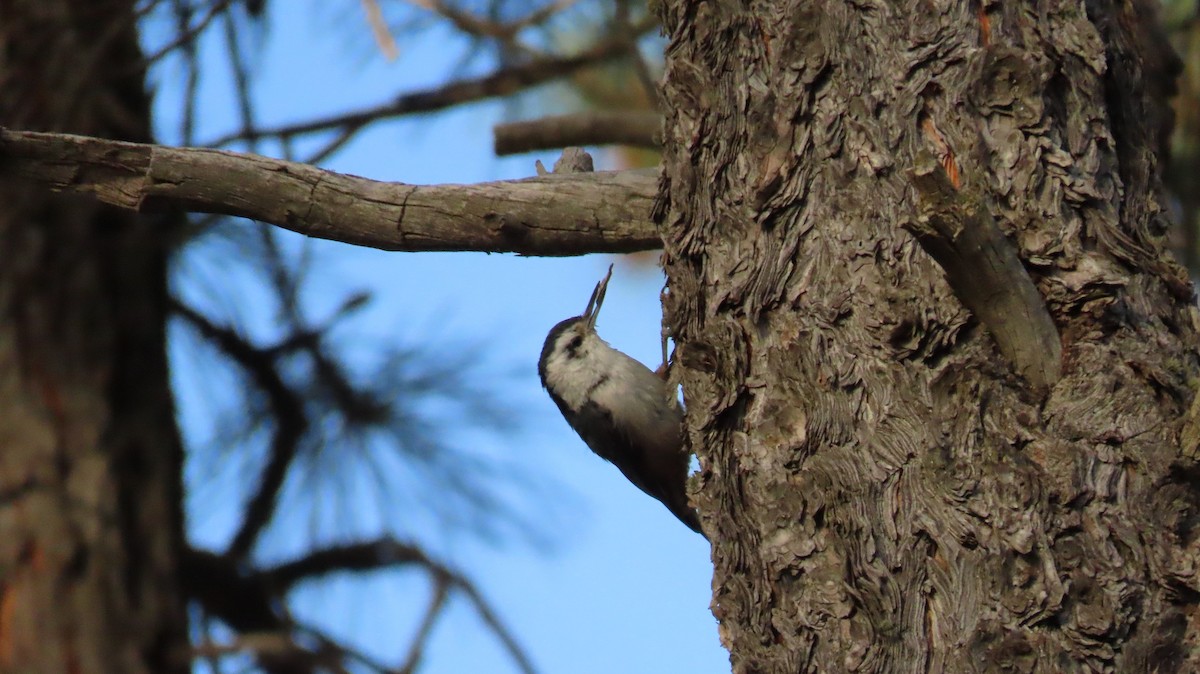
{"points": [[466, 22], [985, 273], [503, 82], [493, 621], [551, 215], [541, 15], [287, 414], [441, 592], [191, 60], [242, 602], [371, 555], [188, 33], [639, 129], [253, 643], [329, 644], [240, 72], [384, 553], [379, 28]]}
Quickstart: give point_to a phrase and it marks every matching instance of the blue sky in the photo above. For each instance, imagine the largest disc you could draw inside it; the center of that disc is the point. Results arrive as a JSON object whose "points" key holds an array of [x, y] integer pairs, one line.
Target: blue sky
{"points": [[625, 588]]}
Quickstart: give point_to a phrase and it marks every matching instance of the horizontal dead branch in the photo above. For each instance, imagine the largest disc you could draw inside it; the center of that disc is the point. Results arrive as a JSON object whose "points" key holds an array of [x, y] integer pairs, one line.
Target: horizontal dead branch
{"points": [[985, 273], [638, 129], [605, 212]]}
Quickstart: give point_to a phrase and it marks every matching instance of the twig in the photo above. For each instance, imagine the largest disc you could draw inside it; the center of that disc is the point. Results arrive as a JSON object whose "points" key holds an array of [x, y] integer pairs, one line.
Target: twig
{"points": [[342, 651], [379, 29], [465, 22], [493, 621], [640, 68], [287, 414], [503, 31], [553, 215], [540, 15], [441, 591], [187, 34], [386, 553], [191, 56], [241, 74], [381, 553], [253, 643]]}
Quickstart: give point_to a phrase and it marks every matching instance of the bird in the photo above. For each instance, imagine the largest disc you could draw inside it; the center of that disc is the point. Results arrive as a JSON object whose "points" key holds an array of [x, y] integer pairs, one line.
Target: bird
{"points": [[624, 412]]}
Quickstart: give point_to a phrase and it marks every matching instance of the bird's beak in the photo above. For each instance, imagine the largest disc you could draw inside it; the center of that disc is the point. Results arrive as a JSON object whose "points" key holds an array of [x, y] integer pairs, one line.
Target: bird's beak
{"points": [[597, 299]]}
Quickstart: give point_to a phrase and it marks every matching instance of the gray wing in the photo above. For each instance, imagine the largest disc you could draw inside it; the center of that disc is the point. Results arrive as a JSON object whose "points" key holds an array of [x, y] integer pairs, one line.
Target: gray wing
{"points": [[657, 473]]}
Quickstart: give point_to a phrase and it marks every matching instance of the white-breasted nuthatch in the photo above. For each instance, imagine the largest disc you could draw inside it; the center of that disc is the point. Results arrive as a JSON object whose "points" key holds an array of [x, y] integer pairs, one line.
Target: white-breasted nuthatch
{"points": [[624, 412]]}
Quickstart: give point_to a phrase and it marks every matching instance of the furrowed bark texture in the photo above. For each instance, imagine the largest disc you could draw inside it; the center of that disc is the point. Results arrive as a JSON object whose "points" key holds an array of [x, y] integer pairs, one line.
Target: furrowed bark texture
{"points": [[89, 458], [884, 491]]}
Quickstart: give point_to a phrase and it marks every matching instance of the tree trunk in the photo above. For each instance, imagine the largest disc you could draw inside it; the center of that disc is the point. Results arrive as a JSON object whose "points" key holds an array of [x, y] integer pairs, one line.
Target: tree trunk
{"points": [[89, 453], [891, 483]]}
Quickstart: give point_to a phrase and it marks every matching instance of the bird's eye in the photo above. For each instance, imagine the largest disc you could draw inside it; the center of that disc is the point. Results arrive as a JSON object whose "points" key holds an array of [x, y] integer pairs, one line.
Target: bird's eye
{"points": [[575, 343]]}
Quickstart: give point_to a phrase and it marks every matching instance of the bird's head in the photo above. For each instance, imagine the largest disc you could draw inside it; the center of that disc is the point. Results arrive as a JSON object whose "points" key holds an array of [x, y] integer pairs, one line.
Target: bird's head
{"points": [[574, 337]]}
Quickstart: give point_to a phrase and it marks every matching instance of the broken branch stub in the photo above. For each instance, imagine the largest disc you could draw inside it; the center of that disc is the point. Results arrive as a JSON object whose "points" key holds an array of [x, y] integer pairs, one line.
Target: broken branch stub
{"points": [[985, 273]]}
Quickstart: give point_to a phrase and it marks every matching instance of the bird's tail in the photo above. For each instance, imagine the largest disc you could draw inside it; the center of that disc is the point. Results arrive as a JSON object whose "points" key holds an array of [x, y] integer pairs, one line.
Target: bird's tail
{"points": [[679, 507]]}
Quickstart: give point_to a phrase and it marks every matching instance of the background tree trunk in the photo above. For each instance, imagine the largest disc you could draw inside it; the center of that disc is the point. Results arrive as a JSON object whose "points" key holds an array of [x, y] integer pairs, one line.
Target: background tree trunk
{"points": [[89, 454], [884, 492]]}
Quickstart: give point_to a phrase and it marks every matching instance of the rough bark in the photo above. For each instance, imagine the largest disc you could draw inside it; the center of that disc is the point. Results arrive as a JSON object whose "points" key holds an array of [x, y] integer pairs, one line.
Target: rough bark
{"points": [[885, 491], [89, 457], [551, 215]]}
